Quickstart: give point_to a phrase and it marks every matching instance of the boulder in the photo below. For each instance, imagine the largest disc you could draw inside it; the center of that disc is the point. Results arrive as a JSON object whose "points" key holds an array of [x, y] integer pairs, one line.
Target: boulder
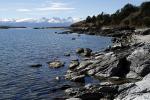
{"points": [[84, 51], [79, 50], [87, 52], [56, 64]]}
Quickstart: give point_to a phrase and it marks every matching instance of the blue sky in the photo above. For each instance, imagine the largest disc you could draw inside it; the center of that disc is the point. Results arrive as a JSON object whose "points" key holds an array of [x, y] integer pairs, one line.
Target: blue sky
{"points": [[60, 8]]}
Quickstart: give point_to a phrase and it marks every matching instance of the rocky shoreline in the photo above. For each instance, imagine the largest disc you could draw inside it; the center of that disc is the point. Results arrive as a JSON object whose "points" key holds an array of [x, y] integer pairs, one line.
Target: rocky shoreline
{"points": [[104, 31], [123, 70]]}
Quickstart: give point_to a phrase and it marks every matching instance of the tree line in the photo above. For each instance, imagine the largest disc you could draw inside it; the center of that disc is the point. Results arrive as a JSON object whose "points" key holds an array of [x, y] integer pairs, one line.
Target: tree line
{"points": [[129, 15]]}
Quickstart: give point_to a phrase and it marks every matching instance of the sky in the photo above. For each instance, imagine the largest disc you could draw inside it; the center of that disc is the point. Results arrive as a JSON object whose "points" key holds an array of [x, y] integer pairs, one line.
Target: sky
{"points": [[60, 8]]}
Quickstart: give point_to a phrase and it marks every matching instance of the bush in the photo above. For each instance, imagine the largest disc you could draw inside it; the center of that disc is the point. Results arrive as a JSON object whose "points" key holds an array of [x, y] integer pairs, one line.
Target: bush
{"points": [[146, 21]]}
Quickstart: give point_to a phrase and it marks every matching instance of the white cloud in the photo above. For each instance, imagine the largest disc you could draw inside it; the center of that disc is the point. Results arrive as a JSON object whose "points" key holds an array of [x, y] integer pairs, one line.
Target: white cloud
{"points": [[23, 10], [54, 9], [55, 6], [49, 6]]}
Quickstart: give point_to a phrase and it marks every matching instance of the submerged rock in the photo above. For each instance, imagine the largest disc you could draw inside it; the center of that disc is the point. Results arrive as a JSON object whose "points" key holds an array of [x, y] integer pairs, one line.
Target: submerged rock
{"points": [[36, 65], [64, 87], [56, 64], [73, 39], [66, 54]]}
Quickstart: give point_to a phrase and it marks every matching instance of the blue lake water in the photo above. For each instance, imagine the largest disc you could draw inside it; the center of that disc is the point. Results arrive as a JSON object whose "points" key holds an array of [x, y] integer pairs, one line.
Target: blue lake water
{"points": [[20, 48]]}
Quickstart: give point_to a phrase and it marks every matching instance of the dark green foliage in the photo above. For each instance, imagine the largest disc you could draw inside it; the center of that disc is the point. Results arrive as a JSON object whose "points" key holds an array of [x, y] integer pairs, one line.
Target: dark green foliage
{"points": [[146, 21], [88, 19], [128, 15], [94, 19], [145, 9]]}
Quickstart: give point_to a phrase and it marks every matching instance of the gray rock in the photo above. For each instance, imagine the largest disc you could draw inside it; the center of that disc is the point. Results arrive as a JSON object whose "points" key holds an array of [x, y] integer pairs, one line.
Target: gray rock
{"points": [[122, 69], [87, 52], [88, 86], [79, 78], [137, 91], [68, 91], [72, 91], [73, 64], [74, 99], [133, 75], [139, 59], [56, 64], [79, 50], [91, 72], [84, 51], [84, 64]]}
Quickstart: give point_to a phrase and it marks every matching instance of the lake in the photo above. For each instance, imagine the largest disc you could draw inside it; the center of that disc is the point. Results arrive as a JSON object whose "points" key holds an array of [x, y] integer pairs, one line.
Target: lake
{"points": [[19, 48]]}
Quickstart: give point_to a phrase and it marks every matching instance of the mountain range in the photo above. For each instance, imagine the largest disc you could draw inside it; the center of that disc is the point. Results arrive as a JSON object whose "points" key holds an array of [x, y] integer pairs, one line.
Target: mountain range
{"points": [[39, 22]]}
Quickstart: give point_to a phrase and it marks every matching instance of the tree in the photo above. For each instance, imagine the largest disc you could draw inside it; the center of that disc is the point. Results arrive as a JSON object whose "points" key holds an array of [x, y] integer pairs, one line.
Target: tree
{"points": [[127, 10], [94, 18], [146, 21], [88, 19], [145, 9]]}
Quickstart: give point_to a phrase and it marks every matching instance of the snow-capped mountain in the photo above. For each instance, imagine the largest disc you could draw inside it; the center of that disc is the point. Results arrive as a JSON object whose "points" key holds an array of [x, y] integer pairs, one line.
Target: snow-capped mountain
{"points": [[39, 22]]}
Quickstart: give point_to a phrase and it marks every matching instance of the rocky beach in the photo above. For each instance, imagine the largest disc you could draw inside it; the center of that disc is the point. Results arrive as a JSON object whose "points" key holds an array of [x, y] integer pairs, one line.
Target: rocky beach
{"points": [[123, 69], [75, 50]]}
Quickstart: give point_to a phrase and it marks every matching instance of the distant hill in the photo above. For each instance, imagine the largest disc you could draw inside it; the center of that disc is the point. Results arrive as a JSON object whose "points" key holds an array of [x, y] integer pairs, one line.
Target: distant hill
{"points": [[129, 15]]}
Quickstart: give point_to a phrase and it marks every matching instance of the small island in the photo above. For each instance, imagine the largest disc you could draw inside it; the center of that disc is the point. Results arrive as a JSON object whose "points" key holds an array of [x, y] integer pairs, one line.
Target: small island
{"points": [[8, 27]]}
